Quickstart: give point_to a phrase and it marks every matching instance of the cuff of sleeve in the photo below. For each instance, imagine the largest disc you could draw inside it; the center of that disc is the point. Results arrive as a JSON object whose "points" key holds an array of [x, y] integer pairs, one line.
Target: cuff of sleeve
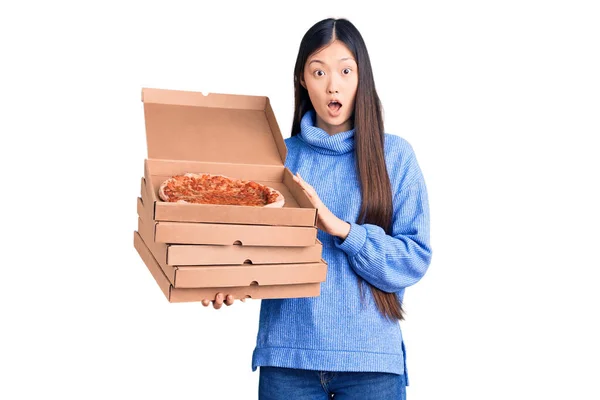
{"points": [[354, 241]]}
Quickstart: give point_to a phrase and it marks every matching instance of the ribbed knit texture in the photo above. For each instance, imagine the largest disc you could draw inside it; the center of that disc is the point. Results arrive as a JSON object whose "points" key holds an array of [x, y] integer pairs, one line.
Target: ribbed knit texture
{"points": [[341, 330]]}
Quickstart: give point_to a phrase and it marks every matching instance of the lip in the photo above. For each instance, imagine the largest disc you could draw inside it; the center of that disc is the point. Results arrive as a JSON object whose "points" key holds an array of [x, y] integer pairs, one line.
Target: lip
{"points": [[331, 112]]}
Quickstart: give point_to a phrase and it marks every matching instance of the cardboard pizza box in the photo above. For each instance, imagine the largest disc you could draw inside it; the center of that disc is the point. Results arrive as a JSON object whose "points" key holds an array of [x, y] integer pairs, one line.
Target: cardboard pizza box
{"points": [[218, 234], [241, 274], [174, 254], [255, 291], [227, 134], [228, 234]]}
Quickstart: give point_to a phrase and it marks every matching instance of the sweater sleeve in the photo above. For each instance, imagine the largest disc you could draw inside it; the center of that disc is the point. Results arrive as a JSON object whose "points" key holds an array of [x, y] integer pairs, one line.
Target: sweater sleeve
{"points": [[400, 259]]}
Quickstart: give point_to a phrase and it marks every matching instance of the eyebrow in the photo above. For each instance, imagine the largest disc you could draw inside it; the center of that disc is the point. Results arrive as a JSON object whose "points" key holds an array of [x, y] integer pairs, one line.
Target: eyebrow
{"points": [[341, 59]]}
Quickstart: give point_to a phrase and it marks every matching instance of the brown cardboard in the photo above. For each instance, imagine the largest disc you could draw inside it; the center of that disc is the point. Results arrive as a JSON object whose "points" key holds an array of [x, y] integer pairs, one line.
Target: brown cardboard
{"points": [[197, 126], [232, 135], [176, 295], [173, 254], [233, 275], [227, 234], [236, 136]]}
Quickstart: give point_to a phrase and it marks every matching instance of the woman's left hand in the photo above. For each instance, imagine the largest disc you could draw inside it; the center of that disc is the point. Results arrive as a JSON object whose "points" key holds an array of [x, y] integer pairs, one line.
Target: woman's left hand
{"points": [[326, 221]]}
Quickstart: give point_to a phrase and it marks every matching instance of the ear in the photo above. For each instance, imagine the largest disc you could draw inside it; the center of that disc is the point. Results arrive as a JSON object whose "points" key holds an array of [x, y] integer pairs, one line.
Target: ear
{"points": [[302, 81]]}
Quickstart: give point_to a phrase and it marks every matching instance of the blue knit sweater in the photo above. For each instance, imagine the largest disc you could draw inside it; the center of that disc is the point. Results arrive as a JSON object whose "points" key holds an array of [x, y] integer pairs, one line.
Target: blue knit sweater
{"points": [[341, 330]]}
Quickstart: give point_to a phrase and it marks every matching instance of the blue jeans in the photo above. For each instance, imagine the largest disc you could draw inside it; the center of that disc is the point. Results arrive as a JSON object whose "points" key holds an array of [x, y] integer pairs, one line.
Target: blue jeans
{"points": [[297, 384]]}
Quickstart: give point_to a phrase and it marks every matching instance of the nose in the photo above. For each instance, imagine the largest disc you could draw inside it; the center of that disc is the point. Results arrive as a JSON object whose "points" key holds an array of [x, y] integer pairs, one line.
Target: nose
{"points": [[332, 86]]}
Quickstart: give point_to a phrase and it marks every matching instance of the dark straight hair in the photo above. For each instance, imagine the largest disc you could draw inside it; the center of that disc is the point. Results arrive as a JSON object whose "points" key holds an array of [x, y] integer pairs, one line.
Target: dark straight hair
{"points": [[376, 206]]}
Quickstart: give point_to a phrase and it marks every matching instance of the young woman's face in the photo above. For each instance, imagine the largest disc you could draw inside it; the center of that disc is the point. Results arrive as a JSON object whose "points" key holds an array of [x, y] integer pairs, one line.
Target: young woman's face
{"points": [[331, 79]]}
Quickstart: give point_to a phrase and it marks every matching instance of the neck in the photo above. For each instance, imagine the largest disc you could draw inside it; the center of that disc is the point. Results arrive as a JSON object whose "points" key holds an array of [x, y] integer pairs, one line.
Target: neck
{"points": [[333, 129]]}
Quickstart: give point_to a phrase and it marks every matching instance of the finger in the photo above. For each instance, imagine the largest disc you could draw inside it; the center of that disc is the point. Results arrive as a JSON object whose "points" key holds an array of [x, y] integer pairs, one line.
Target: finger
{"points": [[306, 187], [299, 180], [218, 301], [302, 181], [229, 300], [243, 299], [205, 302]]}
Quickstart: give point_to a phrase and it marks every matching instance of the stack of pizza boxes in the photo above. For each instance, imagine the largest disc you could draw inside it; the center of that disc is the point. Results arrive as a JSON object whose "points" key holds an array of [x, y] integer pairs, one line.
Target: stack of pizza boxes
{"points": [[195, 251]]}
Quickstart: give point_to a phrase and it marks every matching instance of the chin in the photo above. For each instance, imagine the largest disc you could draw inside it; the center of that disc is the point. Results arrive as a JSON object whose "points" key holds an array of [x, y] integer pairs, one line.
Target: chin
{"points": [[336, 122], [339, 121]]}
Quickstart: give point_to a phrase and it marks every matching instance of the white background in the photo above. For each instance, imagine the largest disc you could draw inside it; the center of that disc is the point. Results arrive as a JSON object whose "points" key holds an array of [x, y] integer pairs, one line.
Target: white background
{"points": [[500, 101]]}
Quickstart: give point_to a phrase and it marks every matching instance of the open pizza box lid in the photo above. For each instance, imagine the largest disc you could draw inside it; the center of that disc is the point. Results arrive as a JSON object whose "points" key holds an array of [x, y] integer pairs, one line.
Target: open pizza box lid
{"points": [[225, 134], [224, 128]]}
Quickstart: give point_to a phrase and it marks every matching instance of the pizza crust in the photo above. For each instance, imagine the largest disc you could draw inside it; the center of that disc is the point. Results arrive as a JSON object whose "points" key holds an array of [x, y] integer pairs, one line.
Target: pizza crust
{"points": [[278, 203]]}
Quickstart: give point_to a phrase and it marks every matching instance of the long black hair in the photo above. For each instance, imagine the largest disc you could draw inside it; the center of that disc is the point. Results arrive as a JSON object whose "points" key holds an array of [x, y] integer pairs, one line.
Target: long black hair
{"points": [[376, 206]]}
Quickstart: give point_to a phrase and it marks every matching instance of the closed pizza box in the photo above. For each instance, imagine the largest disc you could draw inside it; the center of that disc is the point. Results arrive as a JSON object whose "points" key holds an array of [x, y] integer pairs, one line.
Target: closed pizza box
{"points": [[255, 291], [228, 134], [174, 254], [247, 235]]}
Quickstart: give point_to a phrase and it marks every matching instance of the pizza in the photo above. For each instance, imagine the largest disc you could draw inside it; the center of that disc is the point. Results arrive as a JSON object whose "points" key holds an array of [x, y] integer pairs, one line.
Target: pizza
{"points": [[218, 189]]}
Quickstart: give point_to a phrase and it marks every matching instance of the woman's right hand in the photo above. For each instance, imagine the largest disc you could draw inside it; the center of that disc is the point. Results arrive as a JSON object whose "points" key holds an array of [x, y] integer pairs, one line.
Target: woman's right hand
{"points": [[220, 298]]}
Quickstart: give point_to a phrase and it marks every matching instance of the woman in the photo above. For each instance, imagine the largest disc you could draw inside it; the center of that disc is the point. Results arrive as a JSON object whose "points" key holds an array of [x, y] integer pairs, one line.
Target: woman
{"points": [[373, 223]]}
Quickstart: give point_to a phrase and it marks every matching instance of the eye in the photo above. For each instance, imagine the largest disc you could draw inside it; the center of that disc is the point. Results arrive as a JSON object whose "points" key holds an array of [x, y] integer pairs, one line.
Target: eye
{"points": [[319, 72], [346, 71]]}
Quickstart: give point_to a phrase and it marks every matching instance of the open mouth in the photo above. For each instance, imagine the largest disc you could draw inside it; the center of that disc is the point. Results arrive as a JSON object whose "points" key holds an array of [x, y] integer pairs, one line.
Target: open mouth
{"points": [[334, 105]]}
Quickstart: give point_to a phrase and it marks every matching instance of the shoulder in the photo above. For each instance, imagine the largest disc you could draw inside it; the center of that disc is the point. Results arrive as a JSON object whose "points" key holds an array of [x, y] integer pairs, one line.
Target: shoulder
{"points": [[292, 145], [401, 160], [291, 141], [397, 149], [397, 142]]}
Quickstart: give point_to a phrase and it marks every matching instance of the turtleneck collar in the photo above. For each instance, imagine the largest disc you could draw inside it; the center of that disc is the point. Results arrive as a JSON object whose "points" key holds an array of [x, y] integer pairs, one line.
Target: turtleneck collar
{"points": [[321, 141]]}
